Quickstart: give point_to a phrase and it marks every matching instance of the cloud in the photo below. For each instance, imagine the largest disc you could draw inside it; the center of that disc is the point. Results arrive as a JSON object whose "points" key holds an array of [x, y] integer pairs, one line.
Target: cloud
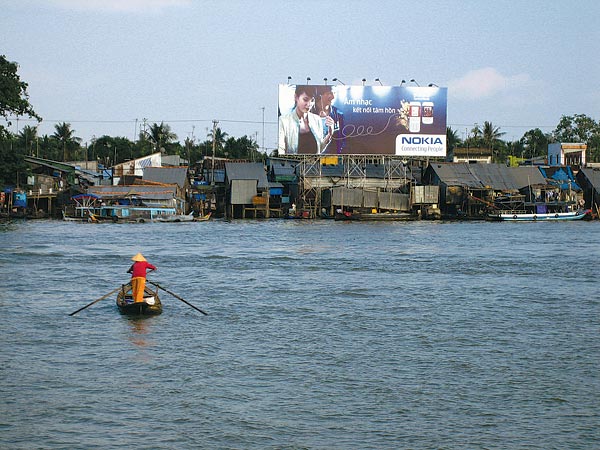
{"points": [[487, 82], [128, 6]]}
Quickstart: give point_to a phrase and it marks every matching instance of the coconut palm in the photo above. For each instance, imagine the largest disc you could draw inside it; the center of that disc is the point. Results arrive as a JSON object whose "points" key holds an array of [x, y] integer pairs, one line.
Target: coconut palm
{"points": [[28, 137], [160, 135], [491, 135], [476, 132], [65, 136], [452, 139], [220, 138]]}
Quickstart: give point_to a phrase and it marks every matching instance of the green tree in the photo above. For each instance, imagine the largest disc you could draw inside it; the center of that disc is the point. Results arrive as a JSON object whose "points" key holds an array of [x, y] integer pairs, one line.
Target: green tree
{"points": [[108, 150], [490, 135], [515, 148], [241, 148], [28, 140], [160, 136], [67, 139], [452, 139], [576, 128], [220, 138], [198, 152], [473, 139], [580, 128], [535, 143], [49, 148], [14, 99], [12, 167]]}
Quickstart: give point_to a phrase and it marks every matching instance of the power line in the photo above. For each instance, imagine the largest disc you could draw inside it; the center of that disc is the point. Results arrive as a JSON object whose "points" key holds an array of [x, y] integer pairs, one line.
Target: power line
{"points": [[149, 120]]}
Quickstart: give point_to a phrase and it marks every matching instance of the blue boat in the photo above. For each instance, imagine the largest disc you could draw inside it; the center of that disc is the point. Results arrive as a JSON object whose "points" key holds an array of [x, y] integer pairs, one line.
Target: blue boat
{"points": [[131, 213]]}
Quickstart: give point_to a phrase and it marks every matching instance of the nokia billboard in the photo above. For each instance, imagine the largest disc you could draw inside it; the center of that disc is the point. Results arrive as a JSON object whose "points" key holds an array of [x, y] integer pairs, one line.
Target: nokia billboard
{"points": [[362, 120]]}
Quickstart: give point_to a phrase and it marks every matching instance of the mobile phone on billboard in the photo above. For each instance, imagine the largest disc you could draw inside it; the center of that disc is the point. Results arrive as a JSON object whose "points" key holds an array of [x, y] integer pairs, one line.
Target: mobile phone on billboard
{"points": [[414, 117], [427, 112]]}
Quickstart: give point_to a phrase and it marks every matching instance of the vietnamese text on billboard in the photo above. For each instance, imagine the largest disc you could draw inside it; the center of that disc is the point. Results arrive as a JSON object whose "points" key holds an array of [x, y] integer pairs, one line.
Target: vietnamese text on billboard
{"points": [[359, 120]]}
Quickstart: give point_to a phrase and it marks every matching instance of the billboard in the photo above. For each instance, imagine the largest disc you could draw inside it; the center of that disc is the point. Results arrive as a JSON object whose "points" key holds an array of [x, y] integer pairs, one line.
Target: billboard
{"points": [[362, 120]]}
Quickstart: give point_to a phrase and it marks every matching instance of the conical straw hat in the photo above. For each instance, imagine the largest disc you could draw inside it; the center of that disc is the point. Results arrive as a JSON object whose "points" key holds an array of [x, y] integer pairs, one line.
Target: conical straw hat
{"points": [[138, 257]]}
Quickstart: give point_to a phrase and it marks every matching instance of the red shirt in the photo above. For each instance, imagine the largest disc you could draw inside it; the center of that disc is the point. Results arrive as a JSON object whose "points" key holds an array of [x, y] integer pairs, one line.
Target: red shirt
{"points": [[138, 269]]}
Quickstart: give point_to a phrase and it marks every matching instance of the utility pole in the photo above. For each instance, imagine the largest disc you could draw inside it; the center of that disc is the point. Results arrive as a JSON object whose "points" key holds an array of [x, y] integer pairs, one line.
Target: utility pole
{"points": [[214, 132], [263, 129]]}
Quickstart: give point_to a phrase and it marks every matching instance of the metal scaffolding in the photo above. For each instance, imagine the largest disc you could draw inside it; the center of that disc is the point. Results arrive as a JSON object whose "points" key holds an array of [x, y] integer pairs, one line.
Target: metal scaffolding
{"points": [[316, 173]]}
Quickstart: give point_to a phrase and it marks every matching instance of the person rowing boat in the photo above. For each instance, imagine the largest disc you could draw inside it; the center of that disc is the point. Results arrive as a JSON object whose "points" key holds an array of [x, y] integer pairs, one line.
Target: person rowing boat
{"points": [[138, 276]]}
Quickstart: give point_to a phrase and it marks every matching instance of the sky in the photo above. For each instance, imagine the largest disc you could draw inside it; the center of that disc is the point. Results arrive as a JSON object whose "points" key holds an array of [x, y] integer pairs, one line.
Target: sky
{"points": [[106, 65]]}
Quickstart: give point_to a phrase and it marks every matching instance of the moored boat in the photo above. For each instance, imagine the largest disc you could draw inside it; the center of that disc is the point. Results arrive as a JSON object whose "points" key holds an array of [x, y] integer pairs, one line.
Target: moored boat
{"points": [[175, 218], [374, 216], [151, 305], [203, 218], [534, 217]]}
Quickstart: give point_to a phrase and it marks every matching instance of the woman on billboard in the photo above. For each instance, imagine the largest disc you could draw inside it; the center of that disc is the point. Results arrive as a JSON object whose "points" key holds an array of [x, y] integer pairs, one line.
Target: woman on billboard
{"points": [[301, 131]]}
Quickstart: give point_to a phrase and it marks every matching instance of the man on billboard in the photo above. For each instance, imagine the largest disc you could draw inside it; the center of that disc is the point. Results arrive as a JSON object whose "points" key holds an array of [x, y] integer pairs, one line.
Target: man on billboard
{"points": [[362, 120], [301, 131], [324, 108]]}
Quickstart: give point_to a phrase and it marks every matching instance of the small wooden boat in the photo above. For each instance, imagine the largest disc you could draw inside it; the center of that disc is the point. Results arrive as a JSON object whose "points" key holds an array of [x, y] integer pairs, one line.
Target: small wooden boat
{"points": [[151, 306], [203, 218]]}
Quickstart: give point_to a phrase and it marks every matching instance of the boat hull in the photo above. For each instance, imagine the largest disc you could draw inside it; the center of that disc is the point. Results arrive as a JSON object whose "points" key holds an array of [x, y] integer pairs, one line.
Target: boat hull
{"points": [[151, 306], [517, 217], [175, 218], [203, 218], [375, 216]]}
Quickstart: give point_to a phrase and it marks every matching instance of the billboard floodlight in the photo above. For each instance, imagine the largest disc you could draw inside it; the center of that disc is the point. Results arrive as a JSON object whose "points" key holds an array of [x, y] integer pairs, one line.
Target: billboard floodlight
{"points": [[338, 80]]}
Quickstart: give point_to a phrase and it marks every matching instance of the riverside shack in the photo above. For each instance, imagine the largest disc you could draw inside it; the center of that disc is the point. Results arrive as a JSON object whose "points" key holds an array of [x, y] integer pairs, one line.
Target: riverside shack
{"points": [[469, 190]]}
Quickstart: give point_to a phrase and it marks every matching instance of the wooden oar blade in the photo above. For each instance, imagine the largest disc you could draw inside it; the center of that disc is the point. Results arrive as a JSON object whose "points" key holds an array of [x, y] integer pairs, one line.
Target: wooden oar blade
{"points": [[177, 297], [95, 301]]}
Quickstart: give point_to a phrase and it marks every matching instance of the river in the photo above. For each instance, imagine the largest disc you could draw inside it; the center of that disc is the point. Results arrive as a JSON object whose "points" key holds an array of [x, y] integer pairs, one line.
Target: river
{"points": [[319, 335]]}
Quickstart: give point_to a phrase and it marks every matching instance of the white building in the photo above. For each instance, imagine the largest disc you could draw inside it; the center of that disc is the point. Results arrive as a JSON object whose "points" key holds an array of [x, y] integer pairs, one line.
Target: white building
{"points": [[135, 167], [561, 154]]}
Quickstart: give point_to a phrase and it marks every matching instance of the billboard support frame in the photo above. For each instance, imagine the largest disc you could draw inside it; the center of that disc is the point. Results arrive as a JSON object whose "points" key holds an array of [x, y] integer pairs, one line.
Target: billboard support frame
{"points": [[310, 176]]}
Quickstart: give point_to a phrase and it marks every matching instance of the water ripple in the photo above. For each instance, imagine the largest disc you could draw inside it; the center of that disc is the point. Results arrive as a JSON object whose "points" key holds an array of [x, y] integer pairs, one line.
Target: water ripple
{"points": [[320, 335]]}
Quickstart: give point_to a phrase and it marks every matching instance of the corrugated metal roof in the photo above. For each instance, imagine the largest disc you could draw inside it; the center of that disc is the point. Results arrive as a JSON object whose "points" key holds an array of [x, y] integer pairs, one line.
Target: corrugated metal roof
{"points": [[166, 175], [247, 171], [281, 167], [140, 191], [524, 176], [593, 176], [487, 176]]}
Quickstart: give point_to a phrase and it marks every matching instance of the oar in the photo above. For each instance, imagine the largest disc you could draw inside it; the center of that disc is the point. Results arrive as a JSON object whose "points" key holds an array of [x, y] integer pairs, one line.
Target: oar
{"points": [[95, 301], [177, 297]]}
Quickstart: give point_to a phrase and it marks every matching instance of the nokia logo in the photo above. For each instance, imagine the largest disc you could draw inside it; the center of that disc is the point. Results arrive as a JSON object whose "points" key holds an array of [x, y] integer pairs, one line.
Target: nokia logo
{"points": [[422, 140]]}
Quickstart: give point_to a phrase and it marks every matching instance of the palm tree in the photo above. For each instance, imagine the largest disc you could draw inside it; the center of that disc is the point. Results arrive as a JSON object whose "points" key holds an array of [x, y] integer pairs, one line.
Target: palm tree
{"points": [[160, 135], [452, 139], [65, 135], [28, 136], [475, 132], [491, 136], [473, 139], [220, 138]]}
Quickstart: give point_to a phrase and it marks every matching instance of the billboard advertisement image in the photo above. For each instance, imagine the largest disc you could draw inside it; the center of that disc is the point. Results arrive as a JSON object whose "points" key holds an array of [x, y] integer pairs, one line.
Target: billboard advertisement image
{"points": [[362, 120]]}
